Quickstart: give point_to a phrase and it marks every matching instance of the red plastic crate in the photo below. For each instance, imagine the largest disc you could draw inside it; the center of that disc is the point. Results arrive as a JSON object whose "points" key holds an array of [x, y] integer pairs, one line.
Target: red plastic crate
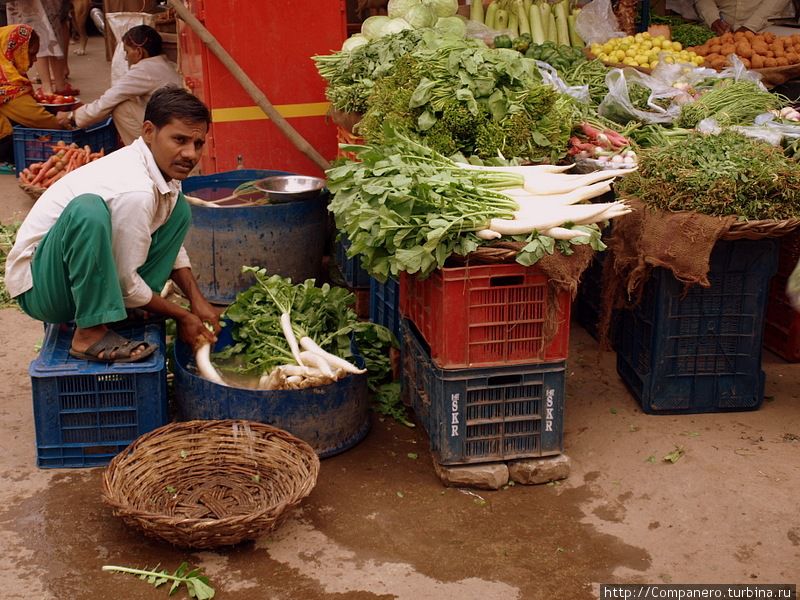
{"points": [[782, 330], [486, 315]]}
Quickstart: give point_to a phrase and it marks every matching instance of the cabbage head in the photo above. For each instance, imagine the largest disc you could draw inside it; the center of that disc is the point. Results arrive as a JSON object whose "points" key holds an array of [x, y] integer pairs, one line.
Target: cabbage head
{"points": [[442, 8], [398, 8], [353, 42], [420, 16], [454, 26], [372, 26], [395, 26]]}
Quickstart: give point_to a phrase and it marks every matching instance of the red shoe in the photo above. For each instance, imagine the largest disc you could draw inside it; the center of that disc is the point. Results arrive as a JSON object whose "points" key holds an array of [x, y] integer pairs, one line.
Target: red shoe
{"points": [[68, 91]]}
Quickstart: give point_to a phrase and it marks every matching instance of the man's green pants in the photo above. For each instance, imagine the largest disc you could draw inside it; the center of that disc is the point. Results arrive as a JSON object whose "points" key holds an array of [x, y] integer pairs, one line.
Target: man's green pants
{"points": [[74, 274]]}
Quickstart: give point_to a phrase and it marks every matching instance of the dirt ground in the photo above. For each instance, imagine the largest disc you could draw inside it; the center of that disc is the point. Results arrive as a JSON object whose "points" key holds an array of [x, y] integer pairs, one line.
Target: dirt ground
{"points": [[380, 524]]}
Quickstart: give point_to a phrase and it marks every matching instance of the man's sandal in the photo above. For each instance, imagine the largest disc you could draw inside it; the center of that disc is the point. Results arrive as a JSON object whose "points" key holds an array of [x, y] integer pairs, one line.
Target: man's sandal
{"points": [[114, 344]]}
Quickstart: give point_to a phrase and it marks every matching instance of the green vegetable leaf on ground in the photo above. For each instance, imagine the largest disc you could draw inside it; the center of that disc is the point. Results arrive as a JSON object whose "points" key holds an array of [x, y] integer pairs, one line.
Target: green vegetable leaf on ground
{"points": [[196, 584]]}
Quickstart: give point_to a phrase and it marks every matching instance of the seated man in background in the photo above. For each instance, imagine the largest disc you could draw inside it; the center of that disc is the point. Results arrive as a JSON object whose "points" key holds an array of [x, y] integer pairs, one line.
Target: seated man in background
{"points": [[107, 237], [734, 15], [125, 100]]}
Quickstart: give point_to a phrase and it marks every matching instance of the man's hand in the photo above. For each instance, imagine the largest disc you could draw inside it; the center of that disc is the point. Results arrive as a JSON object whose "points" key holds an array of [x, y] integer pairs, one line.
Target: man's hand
{"points": [[64, 118], [207, 313], [192, 330], [719, 27]]}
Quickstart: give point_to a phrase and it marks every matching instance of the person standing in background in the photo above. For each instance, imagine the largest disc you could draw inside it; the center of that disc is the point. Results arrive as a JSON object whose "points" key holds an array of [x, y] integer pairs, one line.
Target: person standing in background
{"points": [[46, 18], [111, 6], [126, 99], [739, 15]]}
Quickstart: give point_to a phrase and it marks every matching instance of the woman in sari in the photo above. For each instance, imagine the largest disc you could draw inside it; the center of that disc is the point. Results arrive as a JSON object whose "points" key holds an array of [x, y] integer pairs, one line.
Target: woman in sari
{"points": [[18, 47]]}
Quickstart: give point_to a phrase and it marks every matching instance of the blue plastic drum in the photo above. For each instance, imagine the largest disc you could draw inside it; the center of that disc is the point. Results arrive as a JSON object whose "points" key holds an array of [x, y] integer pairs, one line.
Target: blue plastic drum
{"points": [[287, 239], [331, 418]]}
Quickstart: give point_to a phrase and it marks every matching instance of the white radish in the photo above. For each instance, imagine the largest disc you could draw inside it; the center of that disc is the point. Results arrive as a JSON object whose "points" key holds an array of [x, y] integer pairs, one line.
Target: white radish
{"points": [[290, 370], [288, 333], [549, 183], [334, 361], [167, 289], [488, 234], [547, 217], [610, 213], [315, 360], [561, 233], [202, 358], [294, 380], [534, 202], [520, 170]]}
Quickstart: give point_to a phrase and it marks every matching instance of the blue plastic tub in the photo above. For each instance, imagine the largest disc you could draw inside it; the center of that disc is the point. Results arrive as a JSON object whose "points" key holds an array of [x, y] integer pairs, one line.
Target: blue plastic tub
{"points": [[331, 418], [700, 351], [484, 414], [84, 412], [286, 239]]}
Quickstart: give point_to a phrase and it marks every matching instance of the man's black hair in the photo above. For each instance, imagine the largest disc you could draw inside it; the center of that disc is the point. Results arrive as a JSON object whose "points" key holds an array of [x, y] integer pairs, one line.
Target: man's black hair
{"points": [[171, 102], [145, 37]]}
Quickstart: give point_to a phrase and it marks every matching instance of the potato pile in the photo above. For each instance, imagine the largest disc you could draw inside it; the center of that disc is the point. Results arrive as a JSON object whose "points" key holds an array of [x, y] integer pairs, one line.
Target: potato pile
{"points": [[757, 50]]}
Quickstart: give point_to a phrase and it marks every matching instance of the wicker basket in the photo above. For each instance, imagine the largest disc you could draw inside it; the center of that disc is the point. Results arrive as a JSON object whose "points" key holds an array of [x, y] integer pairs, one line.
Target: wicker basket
{"points": [[755, 230], [34, 191], [205, 484]]}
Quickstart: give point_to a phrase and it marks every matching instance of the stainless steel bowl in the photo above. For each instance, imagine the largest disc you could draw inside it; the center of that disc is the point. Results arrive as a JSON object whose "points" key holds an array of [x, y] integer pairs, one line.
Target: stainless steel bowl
{"points": [[288, 188]]}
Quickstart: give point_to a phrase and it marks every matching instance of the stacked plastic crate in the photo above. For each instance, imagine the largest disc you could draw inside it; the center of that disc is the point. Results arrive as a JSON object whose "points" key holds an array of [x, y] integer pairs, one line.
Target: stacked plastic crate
{"points": [[782, 333], [86, 412], [484, 350], [353, 275], [699, 350]]}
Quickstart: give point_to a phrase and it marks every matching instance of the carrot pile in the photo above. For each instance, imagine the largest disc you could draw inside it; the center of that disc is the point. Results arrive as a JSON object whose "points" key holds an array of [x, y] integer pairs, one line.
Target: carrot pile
{"points": [[757, 50], [65, 158]]}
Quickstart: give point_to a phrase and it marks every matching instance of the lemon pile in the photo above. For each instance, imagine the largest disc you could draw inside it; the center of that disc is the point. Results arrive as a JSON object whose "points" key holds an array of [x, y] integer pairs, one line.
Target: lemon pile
{"points": [[643, 50]]}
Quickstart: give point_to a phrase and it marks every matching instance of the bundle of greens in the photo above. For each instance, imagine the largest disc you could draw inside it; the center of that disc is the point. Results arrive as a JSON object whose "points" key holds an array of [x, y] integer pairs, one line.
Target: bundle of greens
{"points": [[405, 207], [7, 235], [460, 96], [729, 102], [351, 75], [728, 174], [686, 33], [323, 314]]}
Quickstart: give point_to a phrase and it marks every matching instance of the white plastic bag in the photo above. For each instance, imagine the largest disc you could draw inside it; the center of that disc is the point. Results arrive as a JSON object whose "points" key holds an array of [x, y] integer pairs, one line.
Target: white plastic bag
{"points": [[596, 22], [617, 104], [550, 77], [120, 23]]}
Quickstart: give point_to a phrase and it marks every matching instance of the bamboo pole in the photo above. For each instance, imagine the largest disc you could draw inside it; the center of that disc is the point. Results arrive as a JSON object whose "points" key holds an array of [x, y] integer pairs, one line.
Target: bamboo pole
{"points": [[256, 94]]}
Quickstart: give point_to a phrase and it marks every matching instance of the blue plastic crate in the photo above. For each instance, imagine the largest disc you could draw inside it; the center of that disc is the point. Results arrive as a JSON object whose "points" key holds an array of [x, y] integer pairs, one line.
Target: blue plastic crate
{"points": [[36, 145], [384, 299], [700, 351], [589, 301], [354, 274], [484, 414], [87, 412]]}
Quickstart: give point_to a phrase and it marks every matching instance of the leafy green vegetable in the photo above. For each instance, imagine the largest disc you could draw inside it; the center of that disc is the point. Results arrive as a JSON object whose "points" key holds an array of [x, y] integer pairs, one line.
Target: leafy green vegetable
{"points": [[7, 235], [727, 174], [458, 96], [352, 75], [405, 207], [387, 402], [730, 103], [322, 313], [688, 34], [197, 585]]}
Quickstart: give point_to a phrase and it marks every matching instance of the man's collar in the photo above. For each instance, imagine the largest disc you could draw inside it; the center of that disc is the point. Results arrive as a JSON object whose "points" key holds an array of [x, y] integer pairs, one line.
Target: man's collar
{"points": [[163, 186]]}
